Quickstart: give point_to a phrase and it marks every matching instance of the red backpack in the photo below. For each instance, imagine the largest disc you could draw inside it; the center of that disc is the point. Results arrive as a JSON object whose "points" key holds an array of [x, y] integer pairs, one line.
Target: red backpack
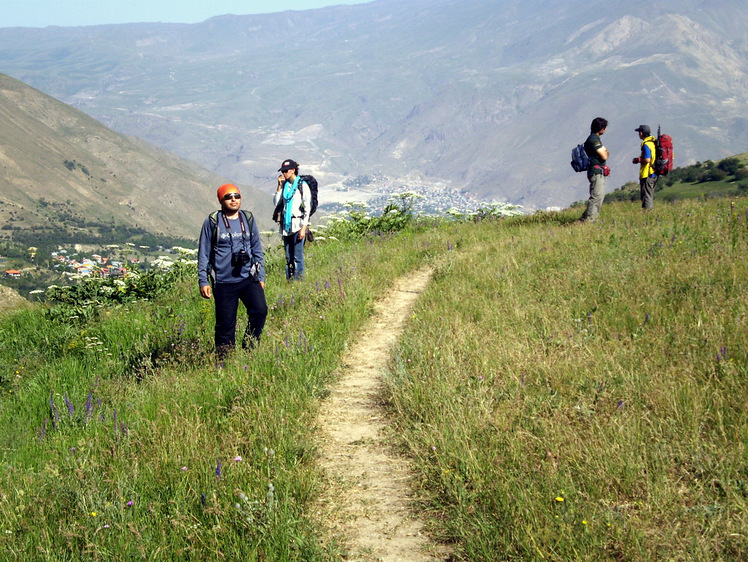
{"points": [[664, 154]]}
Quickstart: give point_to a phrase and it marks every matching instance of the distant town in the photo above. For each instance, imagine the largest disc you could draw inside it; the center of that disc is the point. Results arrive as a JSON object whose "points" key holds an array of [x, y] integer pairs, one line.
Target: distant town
{"points": [[113, 261], [376, 191]]}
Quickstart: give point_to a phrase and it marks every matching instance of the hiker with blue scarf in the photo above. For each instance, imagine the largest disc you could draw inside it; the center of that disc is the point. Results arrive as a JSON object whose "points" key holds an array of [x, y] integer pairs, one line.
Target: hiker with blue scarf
{"points": [[293, 198]]}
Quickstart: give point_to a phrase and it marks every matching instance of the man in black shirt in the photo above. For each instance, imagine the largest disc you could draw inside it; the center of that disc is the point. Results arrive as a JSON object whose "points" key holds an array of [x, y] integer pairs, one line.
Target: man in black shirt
{"points": [[597, 171]]}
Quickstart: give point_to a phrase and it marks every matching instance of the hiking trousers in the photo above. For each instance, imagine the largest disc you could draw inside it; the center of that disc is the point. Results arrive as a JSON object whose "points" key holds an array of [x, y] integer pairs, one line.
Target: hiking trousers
{"points": [[646, 191], [597, 194], [227, 297], [294, 255]]}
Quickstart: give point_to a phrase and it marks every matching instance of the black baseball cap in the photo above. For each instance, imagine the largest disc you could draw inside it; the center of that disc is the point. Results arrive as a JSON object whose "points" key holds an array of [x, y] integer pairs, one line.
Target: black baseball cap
{"points": [[288, 165], [643, 129]]}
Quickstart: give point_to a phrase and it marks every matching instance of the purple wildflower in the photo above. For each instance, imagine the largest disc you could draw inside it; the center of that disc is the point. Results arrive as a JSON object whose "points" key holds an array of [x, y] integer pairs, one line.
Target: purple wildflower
{"points": [[89, 406], [55, 413], [218, 469]]}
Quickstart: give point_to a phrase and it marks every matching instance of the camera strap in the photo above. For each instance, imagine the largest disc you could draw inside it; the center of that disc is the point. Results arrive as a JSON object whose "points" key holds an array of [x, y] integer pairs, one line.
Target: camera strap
{"points": [[228, 231]]}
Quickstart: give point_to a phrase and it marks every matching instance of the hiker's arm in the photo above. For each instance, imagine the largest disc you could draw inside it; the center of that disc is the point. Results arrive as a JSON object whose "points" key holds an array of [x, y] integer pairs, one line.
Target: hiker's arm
{"points": [[203, 254], [646, 155], [603, 152]]}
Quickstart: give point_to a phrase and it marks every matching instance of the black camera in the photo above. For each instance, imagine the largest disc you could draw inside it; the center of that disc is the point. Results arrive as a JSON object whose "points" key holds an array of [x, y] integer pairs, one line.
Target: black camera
{"points": [[240, 258]]}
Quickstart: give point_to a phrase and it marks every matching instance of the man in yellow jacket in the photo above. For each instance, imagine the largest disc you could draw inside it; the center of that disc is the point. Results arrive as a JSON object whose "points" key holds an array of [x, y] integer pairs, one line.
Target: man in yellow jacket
{"points": [[647, 175]]}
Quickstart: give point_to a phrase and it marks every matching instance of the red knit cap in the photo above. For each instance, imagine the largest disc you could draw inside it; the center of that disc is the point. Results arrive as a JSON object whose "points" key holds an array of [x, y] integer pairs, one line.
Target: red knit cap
{"points": [[227, 188]]}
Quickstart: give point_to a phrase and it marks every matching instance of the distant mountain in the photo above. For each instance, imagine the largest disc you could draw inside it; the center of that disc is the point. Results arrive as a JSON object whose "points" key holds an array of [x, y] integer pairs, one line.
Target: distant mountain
{"points": [[485, 96], [60, 167]]}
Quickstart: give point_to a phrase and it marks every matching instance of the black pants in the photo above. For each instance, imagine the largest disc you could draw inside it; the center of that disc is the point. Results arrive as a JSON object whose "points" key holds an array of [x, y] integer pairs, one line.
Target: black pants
{"points": [[227, 297]]}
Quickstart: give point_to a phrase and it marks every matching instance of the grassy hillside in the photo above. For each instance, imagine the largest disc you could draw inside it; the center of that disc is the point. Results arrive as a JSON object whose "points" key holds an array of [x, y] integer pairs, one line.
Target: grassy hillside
{"points": [[65, 178], [566, 391]]}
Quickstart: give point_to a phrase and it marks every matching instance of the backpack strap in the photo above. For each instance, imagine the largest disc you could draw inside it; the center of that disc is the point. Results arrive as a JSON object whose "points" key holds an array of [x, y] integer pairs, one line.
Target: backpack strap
{"points": [[213, 217], [250, 220]]}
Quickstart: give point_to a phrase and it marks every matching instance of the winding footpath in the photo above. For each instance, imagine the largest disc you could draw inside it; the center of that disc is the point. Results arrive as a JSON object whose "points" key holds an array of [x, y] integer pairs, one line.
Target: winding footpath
{"points": [[368, 503]]}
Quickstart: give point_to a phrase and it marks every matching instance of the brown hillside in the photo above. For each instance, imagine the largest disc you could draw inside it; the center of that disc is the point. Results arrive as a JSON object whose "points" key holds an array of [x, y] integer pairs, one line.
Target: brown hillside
{"points": [[55, 162]]}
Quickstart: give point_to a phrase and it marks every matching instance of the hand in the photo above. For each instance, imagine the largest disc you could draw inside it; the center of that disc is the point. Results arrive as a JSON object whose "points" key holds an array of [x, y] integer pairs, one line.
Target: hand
{"points": [[635, 161], [302, 233], [281, 179], [262, 284], [205, 291]]}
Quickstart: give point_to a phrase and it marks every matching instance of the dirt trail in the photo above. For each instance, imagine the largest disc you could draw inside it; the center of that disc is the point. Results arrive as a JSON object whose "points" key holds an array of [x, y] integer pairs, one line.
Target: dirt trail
{"points": [[367, 503]]}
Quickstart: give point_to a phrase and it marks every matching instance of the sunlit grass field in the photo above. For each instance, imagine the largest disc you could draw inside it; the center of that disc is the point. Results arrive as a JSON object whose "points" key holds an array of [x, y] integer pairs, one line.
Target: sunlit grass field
{"points": [[579, 392], [565, 391]]}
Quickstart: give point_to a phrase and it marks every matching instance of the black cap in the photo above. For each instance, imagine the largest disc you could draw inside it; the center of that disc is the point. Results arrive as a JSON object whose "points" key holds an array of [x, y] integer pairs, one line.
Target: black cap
{"points": [[288, 165], [644, 129]]}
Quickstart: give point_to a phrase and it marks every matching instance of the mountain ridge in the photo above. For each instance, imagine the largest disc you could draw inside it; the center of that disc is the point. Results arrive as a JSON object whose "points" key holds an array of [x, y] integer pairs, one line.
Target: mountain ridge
{"points": [[460, 94]]}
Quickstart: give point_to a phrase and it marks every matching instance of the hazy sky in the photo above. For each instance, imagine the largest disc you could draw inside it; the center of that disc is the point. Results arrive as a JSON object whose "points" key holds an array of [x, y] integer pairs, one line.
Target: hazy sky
{"points": [[41, 13]]}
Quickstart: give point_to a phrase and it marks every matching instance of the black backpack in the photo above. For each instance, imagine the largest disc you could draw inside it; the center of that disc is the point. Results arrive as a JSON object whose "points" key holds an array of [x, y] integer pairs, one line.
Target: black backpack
{"points": [[313, 187]]}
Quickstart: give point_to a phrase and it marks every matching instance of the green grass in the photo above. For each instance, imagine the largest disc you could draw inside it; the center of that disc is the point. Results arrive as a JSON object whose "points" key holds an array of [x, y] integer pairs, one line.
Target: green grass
{"points": [[565, 391], [578, 392]]}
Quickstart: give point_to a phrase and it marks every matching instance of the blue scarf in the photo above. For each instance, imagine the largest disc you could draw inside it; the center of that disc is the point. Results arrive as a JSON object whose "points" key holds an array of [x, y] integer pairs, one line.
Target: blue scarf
{"points": [[288, 190]]}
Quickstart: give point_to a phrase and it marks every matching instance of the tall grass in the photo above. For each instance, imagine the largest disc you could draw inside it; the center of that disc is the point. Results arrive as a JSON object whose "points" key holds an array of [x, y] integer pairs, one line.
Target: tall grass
{"points": [[565, 391], [579, 392]]}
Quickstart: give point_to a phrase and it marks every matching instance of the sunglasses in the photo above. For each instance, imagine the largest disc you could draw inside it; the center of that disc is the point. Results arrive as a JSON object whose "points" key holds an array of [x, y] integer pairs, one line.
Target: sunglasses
{"points": [[231, 196]]}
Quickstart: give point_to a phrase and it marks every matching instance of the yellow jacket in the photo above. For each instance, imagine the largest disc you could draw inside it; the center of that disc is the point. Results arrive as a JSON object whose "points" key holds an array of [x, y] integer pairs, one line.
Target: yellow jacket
{"points": [[646, 169]]}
